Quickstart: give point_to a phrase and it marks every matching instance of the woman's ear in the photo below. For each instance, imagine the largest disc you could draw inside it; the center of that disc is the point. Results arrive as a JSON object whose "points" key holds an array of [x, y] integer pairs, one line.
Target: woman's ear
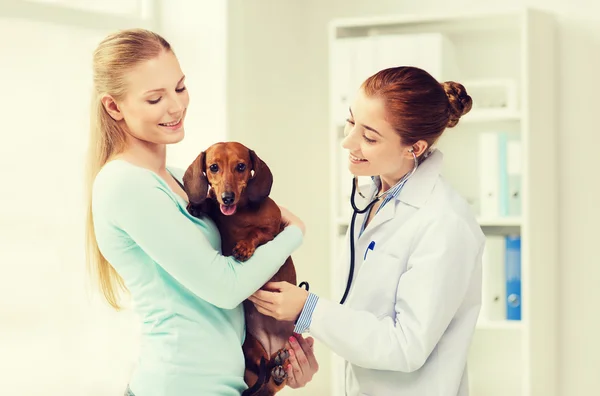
{"points": [[112, 108], [419, 148]]}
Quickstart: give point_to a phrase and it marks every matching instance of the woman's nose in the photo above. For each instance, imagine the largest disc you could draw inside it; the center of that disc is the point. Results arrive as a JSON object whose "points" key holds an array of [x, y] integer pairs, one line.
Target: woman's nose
{"points": [[176, 106], [349, 142]]}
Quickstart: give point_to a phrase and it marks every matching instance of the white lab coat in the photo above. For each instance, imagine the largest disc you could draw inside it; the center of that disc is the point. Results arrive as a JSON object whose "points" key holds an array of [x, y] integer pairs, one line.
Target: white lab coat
{"points": [[408, 321]]}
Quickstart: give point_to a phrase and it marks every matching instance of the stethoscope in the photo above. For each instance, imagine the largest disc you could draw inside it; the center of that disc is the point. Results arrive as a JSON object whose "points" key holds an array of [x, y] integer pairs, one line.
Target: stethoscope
{"points": [[366, 208]]}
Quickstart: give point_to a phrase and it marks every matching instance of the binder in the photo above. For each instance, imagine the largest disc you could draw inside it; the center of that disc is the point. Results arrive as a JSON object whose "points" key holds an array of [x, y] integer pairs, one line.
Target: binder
{"points": [[513, 277], [493, 288], [500, 174], [489, 174], [342, 70], [514, 173]]}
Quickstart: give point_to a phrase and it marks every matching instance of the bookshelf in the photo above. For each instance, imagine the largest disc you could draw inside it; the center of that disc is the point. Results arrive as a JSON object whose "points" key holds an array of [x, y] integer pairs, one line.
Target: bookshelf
{"points": [[505, 59]]}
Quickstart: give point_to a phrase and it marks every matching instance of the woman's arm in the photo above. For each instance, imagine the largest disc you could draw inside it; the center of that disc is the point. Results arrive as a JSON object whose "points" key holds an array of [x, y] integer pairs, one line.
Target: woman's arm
{"points": [[429, 294], [144, 210]]}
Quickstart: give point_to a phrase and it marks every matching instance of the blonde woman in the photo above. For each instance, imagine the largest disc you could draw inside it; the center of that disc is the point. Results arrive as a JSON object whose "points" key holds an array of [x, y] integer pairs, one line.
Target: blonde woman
{"points": [[141, 239]]}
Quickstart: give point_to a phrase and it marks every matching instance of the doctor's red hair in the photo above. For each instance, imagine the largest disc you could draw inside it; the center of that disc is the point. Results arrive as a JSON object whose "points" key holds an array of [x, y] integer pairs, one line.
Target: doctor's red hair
{"points": [[417, 106]]}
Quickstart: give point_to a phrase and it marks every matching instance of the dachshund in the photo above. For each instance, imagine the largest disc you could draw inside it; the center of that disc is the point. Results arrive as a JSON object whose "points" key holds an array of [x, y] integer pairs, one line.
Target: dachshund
{"points": [[230, 184]]}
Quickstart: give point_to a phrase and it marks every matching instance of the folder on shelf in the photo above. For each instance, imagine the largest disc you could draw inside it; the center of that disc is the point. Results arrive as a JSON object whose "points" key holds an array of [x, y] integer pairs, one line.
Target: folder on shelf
{"points": [[513, 174], [513, 277], [493, 288], [354, 59], [489, 174], [500, 174], [342, 72]]}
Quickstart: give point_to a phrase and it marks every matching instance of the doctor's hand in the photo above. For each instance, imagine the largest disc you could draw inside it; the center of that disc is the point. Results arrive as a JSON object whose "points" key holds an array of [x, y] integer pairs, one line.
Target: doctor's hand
{"points": [[303, 364], [281, 300]]}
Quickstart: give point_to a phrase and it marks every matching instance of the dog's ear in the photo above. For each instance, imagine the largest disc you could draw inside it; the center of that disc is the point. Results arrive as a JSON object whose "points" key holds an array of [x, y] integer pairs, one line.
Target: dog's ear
{"points": [[259, 186], [195, 182]]}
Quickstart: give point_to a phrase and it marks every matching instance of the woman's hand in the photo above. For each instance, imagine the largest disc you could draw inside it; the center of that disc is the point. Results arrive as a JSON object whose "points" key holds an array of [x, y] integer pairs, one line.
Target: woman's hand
{"points": [[281, 300], [289, 218], [303, 364]]}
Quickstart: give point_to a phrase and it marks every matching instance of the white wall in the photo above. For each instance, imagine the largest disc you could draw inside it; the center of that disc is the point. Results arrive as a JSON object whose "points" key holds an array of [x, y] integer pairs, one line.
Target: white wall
{"points": [[197, 30], [56, 336], [278, 102], [274, 107]]}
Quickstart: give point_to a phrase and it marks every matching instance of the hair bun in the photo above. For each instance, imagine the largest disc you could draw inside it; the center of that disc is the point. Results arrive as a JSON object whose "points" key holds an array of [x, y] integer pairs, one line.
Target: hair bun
{"points": [[460, 101]]}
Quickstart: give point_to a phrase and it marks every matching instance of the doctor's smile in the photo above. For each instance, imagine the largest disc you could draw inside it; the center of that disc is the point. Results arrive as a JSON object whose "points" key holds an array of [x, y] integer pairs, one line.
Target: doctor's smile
{"points": [[356, 160]]}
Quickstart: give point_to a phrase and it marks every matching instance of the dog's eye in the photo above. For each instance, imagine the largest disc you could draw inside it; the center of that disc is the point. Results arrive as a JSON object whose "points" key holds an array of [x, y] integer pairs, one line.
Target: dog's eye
{"points": [[214, 168], [241, 167]]}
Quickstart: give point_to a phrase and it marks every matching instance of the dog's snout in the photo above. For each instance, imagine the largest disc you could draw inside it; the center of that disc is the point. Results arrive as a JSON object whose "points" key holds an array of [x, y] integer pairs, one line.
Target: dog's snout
{"points": [[228, 198]]}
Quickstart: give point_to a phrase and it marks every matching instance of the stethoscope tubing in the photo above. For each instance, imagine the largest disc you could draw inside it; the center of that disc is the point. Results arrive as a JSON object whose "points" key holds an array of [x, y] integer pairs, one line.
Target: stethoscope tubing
{"points": [[357, 211]]}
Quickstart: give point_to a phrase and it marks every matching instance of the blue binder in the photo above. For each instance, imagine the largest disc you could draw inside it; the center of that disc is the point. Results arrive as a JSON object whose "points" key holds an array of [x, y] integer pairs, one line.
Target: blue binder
{"points": [[513, 277]]}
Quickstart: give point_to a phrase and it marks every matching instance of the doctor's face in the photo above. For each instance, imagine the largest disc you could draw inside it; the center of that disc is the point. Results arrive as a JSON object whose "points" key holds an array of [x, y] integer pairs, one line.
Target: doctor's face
{"points": [[374, 147]]}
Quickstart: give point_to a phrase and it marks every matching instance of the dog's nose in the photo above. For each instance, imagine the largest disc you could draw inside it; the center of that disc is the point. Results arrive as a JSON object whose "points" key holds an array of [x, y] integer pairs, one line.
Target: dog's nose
{"points": [[228, 198]]}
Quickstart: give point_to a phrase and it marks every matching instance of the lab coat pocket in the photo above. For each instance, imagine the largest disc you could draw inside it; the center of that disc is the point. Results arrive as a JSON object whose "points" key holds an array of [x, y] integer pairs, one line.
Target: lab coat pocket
{"points": [[376, 284]]}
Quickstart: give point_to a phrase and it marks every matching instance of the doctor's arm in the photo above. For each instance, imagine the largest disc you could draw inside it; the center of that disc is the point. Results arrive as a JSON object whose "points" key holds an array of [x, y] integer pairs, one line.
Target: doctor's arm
{"points": [[429, 293]]}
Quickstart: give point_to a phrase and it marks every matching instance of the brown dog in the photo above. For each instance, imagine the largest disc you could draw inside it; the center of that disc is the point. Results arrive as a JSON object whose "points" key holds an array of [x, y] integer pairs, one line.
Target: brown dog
{"points": [[238, 202]]}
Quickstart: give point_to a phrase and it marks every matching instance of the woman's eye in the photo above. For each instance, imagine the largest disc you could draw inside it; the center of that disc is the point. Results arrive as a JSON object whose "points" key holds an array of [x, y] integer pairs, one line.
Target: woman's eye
{"points": [[349, 121], [368, 140], [179, 90], [241, 167], [155, 101], [214, 168]]}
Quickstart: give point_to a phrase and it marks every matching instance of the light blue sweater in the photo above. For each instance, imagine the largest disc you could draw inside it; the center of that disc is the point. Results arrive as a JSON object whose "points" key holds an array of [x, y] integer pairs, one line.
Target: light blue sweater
{"points": [[187, 295]]}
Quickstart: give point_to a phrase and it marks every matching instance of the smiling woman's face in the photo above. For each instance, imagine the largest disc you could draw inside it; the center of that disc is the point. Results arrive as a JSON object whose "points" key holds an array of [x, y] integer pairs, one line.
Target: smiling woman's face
{"points": [[375, 148], [154, 107]]}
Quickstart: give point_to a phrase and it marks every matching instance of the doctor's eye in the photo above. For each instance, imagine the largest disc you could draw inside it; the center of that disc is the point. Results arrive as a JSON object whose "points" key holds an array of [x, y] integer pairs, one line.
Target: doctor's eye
{"points": [[241, 167], [214, 168], [368, 140]]}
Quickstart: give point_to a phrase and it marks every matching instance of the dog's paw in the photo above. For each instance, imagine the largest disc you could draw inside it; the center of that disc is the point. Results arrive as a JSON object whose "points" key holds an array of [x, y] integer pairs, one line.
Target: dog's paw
{"points": [[281, 356], [243, 250], [278, 374]]}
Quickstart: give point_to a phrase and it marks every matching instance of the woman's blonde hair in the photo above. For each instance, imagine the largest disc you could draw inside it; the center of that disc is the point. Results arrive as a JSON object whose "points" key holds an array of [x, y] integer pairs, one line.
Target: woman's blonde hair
{"points": [[114, 57]]}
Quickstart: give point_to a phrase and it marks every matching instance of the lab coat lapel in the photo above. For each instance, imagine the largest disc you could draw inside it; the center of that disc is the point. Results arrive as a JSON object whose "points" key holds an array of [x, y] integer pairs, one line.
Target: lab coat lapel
{"points": [[368, 190], [385, 214]]}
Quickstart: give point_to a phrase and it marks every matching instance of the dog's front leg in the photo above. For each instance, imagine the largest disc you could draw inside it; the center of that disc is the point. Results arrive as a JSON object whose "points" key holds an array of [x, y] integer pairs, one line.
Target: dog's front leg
{"points": [[244, 249]]}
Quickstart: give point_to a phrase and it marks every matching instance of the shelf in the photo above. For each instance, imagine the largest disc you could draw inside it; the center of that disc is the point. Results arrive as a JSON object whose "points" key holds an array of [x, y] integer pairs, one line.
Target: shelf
{"points": [[475, 20], [481, 116], [499, 221], [500, 225], [343, 221], [484, 324]]}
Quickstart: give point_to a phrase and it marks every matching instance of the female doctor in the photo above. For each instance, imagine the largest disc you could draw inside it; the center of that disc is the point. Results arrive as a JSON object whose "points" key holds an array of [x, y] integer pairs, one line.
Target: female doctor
{"points": [[414, 281]]}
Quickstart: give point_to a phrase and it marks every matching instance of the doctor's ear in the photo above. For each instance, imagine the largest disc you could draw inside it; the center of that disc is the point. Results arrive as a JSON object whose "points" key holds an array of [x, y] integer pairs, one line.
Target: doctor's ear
{"points": [[418, 148], [112, 108]]}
